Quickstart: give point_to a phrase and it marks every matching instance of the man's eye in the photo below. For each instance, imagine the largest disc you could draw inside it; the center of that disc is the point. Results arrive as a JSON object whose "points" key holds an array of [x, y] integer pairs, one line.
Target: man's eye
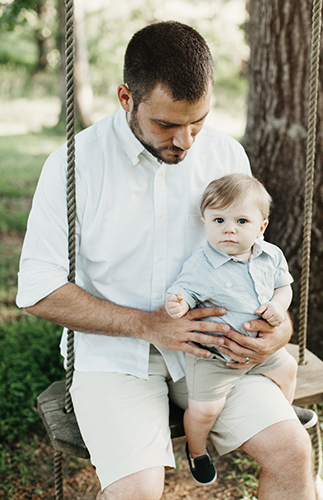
{"points": [[219, 220], [242, 221], [165, 125]]}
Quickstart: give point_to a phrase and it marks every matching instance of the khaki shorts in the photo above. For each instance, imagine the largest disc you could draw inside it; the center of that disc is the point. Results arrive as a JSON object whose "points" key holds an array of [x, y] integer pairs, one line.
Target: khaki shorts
{"points": [[124, 419], [209, 379]]}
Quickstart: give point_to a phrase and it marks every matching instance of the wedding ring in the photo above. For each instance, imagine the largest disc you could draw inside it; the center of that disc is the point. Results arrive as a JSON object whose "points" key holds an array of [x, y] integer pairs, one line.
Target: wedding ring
{"points": [[247, 360]]}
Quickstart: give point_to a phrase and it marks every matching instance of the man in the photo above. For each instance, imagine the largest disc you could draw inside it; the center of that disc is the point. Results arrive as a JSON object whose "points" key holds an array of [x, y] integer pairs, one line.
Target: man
{"points": [[140, 174]]}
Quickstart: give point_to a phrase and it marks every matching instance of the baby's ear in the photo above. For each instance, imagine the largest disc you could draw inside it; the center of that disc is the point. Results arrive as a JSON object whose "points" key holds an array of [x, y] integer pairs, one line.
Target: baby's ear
{"points": [[203, 221], [264, 226]]}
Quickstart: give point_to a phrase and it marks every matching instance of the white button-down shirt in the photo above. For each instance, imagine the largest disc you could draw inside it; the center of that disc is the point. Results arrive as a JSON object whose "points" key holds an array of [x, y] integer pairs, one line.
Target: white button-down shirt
{"points": [[138, 220]]}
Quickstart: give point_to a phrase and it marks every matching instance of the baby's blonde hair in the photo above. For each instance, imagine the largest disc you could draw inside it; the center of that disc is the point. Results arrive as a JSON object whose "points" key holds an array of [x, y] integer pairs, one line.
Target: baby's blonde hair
{"points": [[233, 189]]}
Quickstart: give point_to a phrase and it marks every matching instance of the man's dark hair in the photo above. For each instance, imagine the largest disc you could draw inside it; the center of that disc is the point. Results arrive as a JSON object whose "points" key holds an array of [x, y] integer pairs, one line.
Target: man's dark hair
{"points": [[171, 54]]}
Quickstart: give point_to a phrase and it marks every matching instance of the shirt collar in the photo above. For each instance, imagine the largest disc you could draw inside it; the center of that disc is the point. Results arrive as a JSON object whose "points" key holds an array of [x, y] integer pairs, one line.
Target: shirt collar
{"points": [[128, 141], [217, 258], [262, 246]]}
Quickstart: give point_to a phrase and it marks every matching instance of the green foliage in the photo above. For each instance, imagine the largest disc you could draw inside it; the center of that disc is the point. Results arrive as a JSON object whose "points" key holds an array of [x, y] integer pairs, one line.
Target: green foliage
{"points": [[17, 464], [18, 47], [13, 12], [29, 362], [9, 259], [245, 471]]}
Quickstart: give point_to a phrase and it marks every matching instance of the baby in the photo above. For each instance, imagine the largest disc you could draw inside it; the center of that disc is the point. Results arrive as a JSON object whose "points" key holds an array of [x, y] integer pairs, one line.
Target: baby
{"points": [[239, 271]]}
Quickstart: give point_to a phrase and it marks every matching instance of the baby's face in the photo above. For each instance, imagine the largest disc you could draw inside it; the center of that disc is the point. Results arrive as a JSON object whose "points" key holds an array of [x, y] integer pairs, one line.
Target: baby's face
{"points": [[233, 230]]}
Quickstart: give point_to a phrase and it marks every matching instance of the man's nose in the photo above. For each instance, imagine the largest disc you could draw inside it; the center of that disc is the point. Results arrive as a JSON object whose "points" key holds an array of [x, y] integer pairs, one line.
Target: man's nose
{"points": [[183, 138]]}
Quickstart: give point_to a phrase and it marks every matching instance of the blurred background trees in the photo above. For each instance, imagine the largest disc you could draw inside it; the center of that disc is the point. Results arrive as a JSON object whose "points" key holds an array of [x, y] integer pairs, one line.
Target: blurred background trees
{"points": [[32, 44]]}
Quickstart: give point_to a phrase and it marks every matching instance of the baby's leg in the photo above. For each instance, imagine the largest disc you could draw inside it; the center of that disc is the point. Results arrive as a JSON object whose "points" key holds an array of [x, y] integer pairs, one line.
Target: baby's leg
{"points": [[285, 377], [198, 421]]}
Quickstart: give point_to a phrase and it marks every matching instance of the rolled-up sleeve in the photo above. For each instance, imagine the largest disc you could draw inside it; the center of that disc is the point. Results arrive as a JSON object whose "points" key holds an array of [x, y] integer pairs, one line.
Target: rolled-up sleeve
{"points": [[44, 259]]}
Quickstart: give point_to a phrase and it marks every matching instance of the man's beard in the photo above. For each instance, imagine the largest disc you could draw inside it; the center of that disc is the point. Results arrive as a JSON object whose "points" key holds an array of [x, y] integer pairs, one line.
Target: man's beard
{"points": [[156, 152]]}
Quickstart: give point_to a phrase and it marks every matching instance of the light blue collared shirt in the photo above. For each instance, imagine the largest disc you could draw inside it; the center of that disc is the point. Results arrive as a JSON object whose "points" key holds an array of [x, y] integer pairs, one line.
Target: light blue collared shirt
{"points": [[212, 278]]}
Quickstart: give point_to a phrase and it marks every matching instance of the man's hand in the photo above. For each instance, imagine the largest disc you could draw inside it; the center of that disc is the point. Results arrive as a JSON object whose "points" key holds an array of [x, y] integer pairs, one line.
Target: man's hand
{"points": [[269, 340], [176, 334]]}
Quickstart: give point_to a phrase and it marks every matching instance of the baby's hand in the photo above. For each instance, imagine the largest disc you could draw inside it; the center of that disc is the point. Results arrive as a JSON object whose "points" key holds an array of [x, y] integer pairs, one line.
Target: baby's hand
{"points": [[273, 312], [176, 306]]}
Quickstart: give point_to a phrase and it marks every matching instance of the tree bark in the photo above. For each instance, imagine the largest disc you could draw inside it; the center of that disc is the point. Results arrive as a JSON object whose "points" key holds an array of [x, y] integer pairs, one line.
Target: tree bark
{"points": [[275, 138]]}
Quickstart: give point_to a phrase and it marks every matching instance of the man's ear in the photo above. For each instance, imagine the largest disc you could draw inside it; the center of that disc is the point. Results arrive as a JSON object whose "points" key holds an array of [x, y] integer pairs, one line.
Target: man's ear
{"points": [[263, 227], [125, 98]]}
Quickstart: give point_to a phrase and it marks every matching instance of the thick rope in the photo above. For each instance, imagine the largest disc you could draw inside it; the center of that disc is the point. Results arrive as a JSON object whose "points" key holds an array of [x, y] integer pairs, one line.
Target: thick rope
{"points": [[309, 176], [58, 458], [317, 446], [71, 193]]}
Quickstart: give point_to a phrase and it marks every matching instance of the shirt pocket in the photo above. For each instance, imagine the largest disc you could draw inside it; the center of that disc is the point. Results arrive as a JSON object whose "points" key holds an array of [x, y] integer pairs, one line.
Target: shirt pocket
{"points": [[266, 286]]}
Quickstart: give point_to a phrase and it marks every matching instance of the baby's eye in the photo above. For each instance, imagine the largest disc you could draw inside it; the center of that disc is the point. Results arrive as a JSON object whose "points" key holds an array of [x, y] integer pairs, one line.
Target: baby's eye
{"points": [[242, 221], [219, 220]]}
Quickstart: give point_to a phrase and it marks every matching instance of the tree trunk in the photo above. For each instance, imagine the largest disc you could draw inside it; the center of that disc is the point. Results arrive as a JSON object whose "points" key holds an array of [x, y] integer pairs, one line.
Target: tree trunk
{"points": [[41, 41], [275, 139]]}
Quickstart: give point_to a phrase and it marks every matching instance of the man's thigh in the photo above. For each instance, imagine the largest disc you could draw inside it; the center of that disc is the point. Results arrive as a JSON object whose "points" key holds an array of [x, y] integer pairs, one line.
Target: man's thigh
{"points": [[124, 421]]}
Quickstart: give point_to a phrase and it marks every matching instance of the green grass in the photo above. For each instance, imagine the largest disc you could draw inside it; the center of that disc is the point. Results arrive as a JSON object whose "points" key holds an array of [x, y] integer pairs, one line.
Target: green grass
{"points": [[21, 160]]}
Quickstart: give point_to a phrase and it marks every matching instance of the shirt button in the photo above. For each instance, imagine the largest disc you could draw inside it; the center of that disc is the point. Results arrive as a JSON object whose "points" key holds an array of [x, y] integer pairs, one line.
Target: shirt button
{"points": [[228, 285]]}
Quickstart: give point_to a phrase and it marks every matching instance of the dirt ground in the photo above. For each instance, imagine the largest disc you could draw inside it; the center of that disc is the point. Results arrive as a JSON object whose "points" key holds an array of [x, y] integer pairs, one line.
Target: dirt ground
{"points": [[236, 479]]}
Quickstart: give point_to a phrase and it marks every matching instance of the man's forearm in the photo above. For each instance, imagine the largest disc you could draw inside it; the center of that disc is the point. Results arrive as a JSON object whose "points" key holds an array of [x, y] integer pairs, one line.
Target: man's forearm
{"points": [[76, 309]]}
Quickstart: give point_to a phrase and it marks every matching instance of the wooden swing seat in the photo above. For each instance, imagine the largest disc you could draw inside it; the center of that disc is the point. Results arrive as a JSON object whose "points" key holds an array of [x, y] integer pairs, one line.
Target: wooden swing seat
{"points": [[65, 436], [309, 389]]}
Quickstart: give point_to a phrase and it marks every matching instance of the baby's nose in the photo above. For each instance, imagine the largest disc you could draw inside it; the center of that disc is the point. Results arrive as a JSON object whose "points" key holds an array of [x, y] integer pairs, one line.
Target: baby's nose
{"points": [[230, 228]]}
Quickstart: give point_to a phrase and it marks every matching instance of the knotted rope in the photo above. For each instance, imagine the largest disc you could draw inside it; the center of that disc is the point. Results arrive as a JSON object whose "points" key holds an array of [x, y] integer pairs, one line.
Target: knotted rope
{"points": [[309, 176]]}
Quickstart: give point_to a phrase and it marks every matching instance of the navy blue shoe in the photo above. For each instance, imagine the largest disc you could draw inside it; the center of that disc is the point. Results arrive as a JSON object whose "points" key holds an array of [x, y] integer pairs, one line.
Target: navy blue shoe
{"points": [[202, 468]]}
